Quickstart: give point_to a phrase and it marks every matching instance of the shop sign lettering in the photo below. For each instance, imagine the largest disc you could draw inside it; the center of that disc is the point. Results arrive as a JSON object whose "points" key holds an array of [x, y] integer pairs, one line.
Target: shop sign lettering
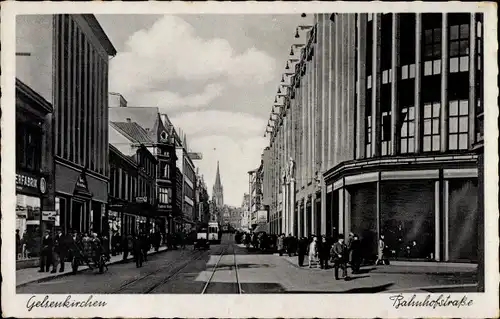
{"points": [[81, 182], [26, 181]]}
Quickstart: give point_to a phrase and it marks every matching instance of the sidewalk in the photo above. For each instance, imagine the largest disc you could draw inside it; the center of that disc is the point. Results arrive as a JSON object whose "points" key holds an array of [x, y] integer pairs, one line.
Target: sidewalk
{"points": [[403, 267], [29, 275]]}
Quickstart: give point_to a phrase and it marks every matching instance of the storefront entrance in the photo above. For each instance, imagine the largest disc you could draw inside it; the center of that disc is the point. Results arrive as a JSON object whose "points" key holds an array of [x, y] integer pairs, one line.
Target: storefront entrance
{"points": [[77, 217]]}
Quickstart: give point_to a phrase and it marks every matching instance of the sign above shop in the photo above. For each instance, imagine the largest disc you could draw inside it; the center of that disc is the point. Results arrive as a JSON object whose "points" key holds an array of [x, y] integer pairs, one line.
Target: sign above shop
{"points": [[81, 183], [49, 215], [30, 182], [143, 199]]}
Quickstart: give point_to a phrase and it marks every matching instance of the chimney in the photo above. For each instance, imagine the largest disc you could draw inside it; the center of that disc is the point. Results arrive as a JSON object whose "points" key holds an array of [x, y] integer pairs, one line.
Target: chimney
{"points": [[128, 120]]}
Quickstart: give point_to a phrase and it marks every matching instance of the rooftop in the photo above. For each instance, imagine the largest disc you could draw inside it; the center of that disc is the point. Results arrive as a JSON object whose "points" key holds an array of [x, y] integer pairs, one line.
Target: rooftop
{"points": [[133, 131]]}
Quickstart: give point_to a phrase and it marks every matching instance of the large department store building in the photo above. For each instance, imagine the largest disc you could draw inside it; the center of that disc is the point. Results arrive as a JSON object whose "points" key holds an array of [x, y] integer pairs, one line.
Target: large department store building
{"points": [[374, 132]]}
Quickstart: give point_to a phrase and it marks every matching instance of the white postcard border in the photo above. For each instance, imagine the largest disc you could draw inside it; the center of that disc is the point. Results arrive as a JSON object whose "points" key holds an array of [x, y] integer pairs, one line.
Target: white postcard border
{"points": [[264, 305]]}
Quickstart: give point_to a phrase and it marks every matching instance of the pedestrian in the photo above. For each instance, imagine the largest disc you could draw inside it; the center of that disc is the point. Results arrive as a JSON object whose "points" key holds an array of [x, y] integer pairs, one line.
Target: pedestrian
{"points": [[145, 245], [381, 252], [313, 251], [137, 251], [46, 253], [280, 244], [324, 253], [18, 245], [302, 250], [60, 250], [355, 254], [339, 254]]}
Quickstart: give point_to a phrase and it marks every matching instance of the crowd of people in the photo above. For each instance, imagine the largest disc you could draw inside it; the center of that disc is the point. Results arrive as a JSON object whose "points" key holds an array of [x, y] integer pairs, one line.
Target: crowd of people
{"points": [[58, 247], [322, 251]]}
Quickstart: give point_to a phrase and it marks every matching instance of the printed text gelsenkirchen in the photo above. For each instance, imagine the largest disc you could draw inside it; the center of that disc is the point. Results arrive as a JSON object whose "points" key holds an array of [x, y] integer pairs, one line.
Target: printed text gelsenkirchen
{"points": [[66, 303]]}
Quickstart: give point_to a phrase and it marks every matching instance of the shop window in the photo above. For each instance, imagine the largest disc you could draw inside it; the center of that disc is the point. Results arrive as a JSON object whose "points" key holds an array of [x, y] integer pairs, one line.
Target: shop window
{"points": [[28, 210], [408, 130], [458, 125], [431, 136]]}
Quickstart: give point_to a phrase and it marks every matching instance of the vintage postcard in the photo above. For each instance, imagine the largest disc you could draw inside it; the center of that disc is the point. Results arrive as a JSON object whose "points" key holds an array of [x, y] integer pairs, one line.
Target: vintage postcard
{"points": [[235, 160]]}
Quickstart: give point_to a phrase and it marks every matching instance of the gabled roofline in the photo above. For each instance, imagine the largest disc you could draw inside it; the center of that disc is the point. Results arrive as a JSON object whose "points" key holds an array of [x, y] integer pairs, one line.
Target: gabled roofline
{"points": [[31, 95]]}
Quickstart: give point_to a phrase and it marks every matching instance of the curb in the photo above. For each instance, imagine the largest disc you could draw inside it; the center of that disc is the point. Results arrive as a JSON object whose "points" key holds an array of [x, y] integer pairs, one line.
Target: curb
{"points": [[62, 275], [389, 271]]}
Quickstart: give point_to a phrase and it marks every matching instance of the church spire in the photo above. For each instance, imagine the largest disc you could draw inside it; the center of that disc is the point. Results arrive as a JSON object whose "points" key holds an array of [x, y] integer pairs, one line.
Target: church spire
{"points": [[218, 192], [217, 177]]}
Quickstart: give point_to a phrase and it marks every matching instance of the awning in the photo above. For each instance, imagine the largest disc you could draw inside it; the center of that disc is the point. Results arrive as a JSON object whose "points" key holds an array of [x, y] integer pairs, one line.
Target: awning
{"points": [[262, 228]]}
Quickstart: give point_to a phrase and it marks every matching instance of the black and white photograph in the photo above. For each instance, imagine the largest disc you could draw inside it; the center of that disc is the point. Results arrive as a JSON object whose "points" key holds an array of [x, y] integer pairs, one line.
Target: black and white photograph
{"points": [[165, 161]]}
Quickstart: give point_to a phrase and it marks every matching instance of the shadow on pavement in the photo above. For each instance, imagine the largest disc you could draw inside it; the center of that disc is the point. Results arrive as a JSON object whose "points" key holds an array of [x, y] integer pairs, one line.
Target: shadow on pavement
{"points": [[361, 290], [242, 266]]}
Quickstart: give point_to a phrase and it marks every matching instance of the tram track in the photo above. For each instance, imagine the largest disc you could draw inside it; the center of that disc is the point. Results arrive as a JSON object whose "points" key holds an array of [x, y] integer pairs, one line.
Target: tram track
{"points": [[130, 283], [215, 268]]}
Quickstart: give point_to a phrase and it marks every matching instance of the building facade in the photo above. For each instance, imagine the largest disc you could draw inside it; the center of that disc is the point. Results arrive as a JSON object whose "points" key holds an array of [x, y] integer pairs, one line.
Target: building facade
{"points": [[132, 192], [71, 72], [143, 125], [255, 181], [35, 204], [245, 212], [202, 201], [374, 133]]}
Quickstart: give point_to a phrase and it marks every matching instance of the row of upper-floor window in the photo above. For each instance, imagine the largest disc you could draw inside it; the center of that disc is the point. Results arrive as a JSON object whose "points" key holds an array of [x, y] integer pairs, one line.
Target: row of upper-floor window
{"points": [[458, 129], [188, 190], [458, 37], [189, 172], [145, 162], [81, 79], [128, 187]]}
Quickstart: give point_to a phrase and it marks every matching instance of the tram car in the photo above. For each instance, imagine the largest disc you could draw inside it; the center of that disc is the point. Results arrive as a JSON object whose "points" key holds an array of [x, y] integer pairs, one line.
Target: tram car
{"points": [[201, 241], [214, 233]]}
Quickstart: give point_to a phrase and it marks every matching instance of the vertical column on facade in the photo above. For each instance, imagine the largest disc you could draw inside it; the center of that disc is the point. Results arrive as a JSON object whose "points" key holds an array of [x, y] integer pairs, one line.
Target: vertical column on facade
{"points": [[472, 79], [437, 220], [361, 86], [76, 111], [84, 103], [100, 111], [341, 210], [330, 58], [299, 220], [376, 83], [323, 74], [292, 207], [303, 134], [312, 117], [92, 106], [395, 50], [351, 85], [446, 219], [57, 80], [347, 212], [69, 96], [444, 83], [104, 107], [306, 225], [342, 85], [337, 80], [313, 213], [377, 208], [323, 207], [418, 82]]}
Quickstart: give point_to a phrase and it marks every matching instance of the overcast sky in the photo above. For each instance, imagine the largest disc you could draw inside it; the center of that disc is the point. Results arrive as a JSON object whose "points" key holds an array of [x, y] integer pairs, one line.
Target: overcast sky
{"points": [[214, 75]]}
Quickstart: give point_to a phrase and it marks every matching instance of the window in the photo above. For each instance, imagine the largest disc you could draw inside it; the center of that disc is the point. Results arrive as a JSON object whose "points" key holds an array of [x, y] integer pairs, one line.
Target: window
{"points": [[458, 125], [28, 146], [459, 48], [165, 170], [164, 195], [432, 127], [386, 134], [408, 130], [479, 78], [432, 44], [368, 137]]}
